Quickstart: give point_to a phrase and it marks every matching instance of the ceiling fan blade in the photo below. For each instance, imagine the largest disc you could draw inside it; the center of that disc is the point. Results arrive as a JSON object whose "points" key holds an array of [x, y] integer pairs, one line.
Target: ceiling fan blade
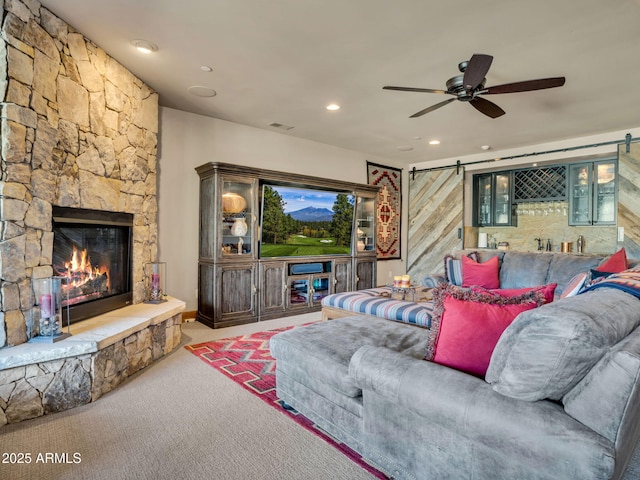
{"points": [[526, 86], [490, 109], [432, 108], [476, 70], [412, 89]]}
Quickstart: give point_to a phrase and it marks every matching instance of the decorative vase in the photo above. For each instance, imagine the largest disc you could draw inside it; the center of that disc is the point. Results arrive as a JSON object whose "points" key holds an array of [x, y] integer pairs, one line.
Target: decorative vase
{"points": [[233, 202], [239, 227], [155, 273], [48, 309]]}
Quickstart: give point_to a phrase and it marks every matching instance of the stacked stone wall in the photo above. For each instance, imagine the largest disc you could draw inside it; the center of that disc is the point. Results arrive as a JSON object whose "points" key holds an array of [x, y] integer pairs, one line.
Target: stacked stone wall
{"points": [[77, 130], [41, 388]]}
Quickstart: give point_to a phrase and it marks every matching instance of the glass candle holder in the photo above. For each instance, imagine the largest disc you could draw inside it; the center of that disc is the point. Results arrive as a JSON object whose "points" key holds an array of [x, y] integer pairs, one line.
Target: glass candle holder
{"points": [[48, 308], [155, 280]]}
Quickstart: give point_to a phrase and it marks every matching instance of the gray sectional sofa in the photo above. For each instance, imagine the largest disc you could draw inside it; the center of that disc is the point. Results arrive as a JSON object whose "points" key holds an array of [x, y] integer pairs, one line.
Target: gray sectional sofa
{"points": [[560, 399]]}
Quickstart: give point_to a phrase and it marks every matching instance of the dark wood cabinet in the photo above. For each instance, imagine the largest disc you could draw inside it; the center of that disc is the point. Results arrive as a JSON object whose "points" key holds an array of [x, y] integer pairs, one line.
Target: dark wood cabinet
{"points": [[493, 200], [236, 284], [593, 193]]}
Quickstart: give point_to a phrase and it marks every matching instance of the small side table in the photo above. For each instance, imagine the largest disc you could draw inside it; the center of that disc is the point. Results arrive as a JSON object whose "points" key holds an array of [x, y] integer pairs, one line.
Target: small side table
{"points": [[404, 291]]}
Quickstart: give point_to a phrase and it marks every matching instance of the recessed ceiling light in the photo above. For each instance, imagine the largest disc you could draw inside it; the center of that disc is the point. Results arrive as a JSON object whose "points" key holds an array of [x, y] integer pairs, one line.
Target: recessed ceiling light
{"points": [[434, 142], [485, 147], [199, 91], [405, 148], [145, 46], [206, 68], [333, 106]]}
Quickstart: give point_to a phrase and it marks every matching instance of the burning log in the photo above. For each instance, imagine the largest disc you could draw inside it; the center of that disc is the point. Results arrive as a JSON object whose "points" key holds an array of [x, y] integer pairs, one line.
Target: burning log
{"points": [[97, 286]]}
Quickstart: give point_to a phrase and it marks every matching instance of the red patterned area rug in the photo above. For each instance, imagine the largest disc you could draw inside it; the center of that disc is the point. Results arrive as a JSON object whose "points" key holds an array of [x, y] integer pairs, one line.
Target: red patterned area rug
{"points": [[247, 361]]}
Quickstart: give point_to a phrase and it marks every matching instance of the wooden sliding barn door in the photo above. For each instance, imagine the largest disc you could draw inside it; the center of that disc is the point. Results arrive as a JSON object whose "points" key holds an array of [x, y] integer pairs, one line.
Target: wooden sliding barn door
{"points": [[628, 194], [436, 203]]}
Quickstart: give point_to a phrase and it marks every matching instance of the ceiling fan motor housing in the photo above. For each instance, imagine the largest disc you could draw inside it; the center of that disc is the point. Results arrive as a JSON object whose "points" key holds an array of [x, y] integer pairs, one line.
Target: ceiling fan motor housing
{"points": [[455, 86]]}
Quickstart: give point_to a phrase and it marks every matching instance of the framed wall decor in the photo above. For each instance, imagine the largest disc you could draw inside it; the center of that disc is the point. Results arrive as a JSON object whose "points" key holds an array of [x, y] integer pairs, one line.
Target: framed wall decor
{"points": [[388, 209]]}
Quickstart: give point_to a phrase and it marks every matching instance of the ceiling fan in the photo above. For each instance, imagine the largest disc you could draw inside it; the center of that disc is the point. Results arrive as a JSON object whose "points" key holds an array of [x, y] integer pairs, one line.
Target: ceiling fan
{"points": [[469, 86]]}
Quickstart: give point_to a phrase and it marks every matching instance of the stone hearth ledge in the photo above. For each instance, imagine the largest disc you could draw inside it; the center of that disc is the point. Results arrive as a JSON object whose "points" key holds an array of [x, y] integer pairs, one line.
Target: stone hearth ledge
{"points": [[93, 334]]}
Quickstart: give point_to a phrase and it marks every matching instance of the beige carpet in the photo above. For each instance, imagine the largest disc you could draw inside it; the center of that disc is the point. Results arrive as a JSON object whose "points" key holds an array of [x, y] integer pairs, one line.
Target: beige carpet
{"points": [[178, 419], [181, 419]]}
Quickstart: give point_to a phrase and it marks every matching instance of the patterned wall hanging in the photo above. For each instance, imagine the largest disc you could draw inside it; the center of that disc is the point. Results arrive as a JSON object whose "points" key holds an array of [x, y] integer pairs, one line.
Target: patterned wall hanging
{"points": [[389, 208]]}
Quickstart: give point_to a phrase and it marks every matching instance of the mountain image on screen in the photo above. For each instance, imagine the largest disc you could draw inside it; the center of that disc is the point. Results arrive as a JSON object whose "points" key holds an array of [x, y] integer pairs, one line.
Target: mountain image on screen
{"points": [[312, 214], [304, 221]]}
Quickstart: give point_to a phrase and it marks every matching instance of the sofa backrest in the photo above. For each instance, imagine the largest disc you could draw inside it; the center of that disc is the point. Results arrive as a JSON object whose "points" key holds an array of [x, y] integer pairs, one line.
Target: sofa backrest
{"points": [[531, 269]]}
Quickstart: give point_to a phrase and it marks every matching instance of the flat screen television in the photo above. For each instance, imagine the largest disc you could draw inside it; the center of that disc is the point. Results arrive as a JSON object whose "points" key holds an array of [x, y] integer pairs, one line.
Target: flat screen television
{"points": [[305, 221]]}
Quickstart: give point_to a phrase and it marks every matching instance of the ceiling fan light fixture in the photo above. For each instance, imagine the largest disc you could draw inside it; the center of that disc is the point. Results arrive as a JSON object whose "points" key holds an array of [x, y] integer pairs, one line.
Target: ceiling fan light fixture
{"points": [[144, 46]]}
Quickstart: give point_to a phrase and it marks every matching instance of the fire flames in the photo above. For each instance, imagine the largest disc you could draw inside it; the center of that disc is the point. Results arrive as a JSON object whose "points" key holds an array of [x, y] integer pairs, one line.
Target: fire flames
{"points": [[84, 281]]}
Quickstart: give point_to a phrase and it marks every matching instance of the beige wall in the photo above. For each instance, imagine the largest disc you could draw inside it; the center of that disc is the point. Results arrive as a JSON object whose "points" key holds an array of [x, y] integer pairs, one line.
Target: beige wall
{"points": [[188, 140]]}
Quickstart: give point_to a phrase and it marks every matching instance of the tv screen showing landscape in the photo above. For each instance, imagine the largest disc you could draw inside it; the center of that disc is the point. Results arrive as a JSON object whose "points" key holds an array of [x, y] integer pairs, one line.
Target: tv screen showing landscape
{"points": [[299, 222]]}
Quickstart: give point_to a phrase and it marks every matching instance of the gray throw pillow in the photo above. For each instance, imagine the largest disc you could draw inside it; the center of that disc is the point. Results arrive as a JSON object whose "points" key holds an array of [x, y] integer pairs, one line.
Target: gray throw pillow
{"points": [[545, 352]]}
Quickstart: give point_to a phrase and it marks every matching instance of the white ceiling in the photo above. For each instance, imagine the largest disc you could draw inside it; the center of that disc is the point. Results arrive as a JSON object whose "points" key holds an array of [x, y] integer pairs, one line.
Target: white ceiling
{"points": [[284, 60]]}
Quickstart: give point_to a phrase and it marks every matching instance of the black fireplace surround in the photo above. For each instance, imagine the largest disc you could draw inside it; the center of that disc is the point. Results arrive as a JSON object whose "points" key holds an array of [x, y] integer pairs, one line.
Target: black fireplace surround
{"points": [[92, 252]]}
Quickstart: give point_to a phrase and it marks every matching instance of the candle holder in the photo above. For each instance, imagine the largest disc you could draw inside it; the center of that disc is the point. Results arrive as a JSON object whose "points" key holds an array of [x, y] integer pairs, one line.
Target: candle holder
{"points": [[48, 310], [155, 279]]}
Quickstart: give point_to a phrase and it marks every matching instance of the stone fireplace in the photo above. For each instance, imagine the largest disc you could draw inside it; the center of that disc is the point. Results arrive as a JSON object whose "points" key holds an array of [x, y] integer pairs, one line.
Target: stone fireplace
{"points": [[79, 132]]}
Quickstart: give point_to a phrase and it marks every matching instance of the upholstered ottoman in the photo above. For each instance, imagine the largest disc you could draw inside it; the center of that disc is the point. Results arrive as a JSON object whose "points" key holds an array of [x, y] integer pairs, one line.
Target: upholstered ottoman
{"points": [[312, 368]]}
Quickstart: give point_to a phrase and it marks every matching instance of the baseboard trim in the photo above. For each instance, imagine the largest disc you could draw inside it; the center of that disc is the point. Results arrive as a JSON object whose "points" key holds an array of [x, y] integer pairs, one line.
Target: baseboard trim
{"points": [[189, 316]]}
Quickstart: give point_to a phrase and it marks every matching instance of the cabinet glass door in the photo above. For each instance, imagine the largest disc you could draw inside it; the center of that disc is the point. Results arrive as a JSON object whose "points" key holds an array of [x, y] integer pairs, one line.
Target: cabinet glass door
{"points": [[502, 211], [365, 224], [237, 218], [320, 289], [604, 200], [580, 194], [299, 292], [484, 205]]}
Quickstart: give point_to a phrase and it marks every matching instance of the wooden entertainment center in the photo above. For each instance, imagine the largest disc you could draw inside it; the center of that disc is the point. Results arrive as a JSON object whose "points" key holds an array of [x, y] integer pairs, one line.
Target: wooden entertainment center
{"points": [[236, 284]]}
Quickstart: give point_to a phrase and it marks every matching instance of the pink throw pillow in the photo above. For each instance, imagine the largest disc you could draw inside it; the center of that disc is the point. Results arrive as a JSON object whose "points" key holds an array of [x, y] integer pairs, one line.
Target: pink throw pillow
{"points": [[481, 274], [467, 324], [548, 291], [616, 263]]}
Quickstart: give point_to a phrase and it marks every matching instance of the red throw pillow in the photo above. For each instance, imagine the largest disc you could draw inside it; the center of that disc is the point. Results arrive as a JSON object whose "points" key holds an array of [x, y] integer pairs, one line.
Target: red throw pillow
{"points": [[616, 263], [548, 291], [466, 325], [481, 274]]}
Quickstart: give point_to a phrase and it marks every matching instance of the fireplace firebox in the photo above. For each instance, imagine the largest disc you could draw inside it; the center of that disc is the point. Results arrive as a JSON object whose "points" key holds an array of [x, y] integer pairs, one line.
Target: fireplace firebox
{"points": [[92, 252]]}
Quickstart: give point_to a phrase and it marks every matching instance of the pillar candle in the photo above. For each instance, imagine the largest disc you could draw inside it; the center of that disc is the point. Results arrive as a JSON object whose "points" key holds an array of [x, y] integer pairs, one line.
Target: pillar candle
{"points": [[46, 305]]}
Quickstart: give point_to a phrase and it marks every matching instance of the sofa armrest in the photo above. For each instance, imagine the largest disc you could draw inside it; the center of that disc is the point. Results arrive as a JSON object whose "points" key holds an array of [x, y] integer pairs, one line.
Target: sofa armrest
{"points": [[433, 280]]}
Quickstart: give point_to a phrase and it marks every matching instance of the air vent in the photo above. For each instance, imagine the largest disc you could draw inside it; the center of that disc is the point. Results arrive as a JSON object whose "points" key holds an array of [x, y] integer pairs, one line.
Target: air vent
{"points": [[280, 126]]}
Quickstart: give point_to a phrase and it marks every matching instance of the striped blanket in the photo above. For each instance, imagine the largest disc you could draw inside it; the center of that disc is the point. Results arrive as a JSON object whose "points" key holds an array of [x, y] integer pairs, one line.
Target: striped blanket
{"points": [[627, 281], [378, 302]]}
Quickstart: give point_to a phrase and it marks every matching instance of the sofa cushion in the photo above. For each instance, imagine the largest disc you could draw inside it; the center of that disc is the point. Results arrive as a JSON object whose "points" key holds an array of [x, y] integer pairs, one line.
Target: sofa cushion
{"points": [[545, 352], [322, 350], [468, 323], [611, 382], [520, 269], [480, 274], [563, 268]]}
